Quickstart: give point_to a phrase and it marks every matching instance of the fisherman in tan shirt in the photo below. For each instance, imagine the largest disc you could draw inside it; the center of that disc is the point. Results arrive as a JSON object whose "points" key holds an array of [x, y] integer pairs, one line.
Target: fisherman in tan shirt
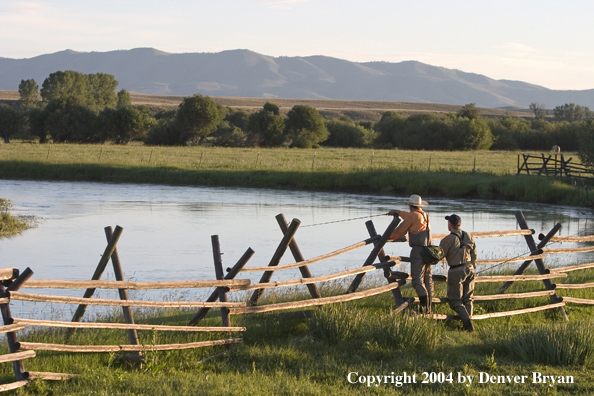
{"points": [[460, 252], [415, 222]]}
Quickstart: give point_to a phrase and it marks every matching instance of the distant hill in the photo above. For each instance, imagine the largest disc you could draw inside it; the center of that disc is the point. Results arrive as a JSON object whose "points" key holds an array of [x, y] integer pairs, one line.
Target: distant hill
{"points": [[243, 73]]}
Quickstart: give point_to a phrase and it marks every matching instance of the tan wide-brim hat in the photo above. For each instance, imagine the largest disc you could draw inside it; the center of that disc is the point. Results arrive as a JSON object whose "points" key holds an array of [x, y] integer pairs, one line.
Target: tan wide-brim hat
{"points": [[416, 200]]}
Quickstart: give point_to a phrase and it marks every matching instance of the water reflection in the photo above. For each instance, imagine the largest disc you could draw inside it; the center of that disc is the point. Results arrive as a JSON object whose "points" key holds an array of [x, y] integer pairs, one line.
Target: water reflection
{"points": [[167, 229]]}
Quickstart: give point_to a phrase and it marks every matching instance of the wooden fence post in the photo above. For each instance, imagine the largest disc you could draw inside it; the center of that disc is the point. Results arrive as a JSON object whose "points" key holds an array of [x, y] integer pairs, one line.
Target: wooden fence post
{"points": [[374, 253], [109, 249], [13, 344], [278, 254], [526, 263], [218, 264], [232, 273], [539, 263], [383, 259], [313, 289], [119, 276]]}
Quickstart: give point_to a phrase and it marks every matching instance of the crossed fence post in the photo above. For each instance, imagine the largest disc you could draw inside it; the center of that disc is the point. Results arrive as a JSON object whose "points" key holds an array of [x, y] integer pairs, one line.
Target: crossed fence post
{"points": [[534, 250], [13, 344], [377, 248]]}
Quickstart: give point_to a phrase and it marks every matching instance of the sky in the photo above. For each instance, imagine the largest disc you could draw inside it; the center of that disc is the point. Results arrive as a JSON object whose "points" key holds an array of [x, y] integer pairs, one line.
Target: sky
{"points": [[547, 43]]}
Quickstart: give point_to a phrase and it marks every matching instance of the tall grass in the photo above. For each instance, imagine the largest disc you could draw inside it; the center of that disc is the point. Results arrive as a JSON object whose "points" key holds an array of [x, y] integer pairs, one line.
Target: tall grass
{"points": [[340, 323], [559, 344], [11, 225]]}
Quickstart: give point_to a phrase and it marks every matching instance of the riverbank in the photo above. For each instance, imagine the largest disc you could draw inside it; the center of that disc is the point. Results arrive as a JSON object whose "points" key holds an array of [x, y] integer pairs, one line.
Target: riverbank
{"points": [[483, 175], [11, 225], [328, 353]]}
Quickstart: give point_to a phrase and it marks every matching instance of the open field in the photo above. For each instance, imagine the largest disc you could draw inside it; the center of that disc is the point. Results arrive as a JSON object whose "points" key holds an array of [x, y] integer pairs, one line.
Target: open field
{"points": [[356, 109], [314, 356], [267, 159], [480, 174]]}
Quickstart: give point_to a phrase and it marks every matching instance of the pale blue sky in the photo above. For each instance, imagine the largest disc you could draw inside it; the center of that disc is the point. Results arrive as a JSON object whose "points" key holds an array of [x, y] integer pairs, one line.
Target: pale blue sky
{"points": [[543, 42]]}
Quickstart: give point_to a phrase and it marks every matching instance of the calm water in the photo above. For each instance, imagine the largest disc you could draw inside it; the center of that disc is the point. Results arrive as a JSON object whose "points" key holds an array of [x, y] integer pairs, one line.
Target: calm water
{"points": [[167, 230]]}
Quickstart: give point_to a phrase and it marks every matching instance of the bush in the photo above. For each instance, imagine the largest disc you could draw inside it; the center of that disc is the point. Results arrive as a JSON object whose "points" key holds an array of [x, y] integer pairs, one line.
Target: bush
{"points": [[586, 140], [387, 127], [345, 133], [163, 133], [228, 135], [266, 127], [305, 127], [123, 124], [11, 122], [66, 121]]}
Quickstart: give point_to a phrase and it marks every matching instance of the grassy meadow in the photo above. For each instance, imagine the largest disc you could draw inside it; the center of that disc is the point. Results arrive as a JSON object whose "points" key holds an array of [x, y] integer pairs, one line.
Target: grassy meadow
{"points": [[480, 174], [314, 356]]}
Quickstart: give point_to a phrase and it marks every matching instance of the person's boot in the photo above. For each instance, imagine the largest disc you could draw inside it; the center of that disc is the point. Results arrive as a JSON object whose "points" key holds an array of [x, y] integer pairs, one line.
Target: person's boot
{"points": [[423, 304], [467, 326]]}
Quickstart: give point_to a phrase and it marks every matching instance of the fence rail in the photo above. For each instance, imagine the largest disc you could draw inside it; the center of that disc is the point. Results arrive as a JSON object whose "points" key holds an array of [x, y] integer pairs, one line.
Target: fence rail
{"points": [[316, 301], [122, 326], [124, 348], [552, 165], [120, 303], [98, 284]]}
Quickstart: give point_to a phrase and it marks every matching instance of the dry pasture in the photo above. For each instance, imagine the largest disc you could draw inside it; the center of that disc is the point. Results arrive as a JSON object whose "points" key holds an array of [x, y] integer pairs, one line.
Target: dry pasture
{"points": [[359, 110]]}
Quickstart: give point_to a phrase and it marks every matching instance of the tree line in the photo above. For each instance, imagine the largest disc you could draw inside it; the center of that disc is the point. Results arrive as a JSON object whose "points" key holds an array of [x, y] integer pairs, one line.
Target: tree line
{"points": [[82, 108]]}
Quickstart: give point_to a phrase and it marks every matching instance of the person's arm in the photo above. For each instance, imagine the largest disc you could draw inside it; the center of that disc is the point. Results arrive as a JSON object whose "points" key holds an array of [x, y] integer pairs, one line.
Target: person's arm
{"points": [[403, 227], [472, 251], [445, 245]]}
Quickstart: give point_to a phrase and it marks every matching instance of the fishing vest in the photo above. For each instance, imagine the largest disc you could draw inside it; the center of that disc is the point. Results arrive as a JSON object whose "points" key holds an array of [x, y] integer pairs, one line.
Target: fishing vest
{"points": [[422, 238], [466, 250]]}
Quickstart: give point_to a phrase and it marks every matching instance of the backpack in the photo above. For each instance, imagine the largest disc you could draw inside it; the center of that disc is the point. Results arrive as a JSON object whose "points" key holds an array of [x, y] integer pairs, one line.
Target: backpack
{"points": [[468, 248], [432, 254]]}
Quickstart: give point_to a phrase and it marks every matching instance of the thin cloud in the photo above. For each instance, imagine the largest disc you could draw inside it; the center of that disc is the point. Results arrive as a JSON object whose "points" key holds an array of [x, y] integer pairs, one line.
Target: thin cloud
{"points": [[517, 50], [281, 4]]}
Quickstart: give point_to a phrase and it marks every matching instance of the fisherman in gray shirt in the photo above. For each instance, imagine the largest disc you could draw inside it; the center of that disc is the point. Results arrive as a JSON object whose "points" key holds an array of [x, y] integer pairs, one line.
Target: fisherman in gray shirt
{"points": [[460, 252]]}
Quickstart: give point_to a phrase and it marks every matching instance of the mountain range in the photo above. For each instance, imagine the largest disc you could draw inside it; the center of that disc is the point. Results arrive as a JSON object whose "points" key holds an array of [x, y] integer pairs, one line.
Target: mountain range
{"points": [[244, 73]]}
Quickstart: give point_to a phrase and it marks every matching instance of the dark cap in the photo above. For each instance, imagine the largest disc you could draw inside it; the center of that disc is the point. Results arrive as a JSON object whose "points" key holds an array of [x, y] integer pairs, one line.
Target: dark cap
{"points": [[454, 219]]}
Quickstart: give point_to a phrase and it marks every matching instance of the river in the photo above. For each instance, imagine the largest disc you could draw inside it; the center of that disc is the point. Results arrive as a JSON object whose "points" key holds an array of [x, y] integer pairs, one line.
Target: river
{"points": [[167, 230]]}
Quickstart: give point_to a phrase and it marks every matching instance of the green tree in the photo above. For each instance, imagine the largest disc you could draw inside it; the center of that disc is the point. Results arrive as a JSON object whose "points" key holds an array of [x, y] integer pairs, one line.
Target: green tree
{"points": [[36, 122], [266, 127], [95, 91], [469, 111], [271, 107], [124, 98], [29, 93], [70, 85], [164, 133], [238, 118], [229, 135], [11, 122], [67, 121], [539, 110], [571, 112], [586, 144], [508, 131], [102, 88], [197, 116], [345, 133], [387, 127], [305, 127], [472, 134], [123, 125]]}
